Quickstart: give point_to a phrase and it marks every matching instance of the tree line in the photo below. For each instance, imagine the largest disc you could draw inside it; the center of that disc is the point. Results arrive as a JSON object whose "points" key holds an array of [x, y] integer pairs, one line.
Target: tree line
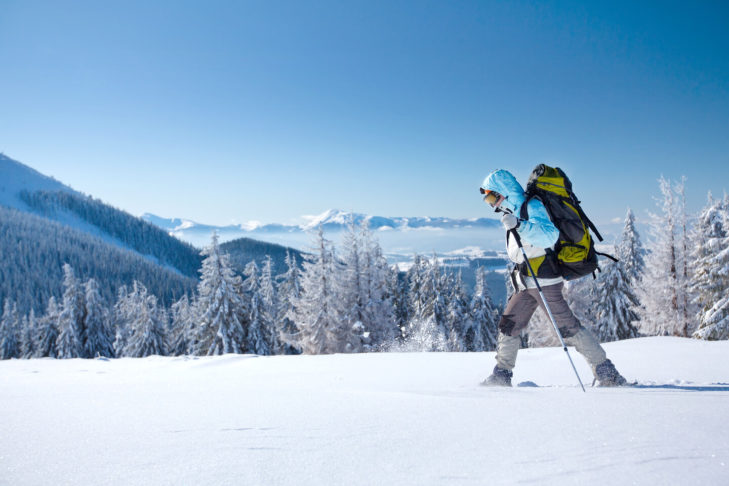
{"points": [[329, 303]]}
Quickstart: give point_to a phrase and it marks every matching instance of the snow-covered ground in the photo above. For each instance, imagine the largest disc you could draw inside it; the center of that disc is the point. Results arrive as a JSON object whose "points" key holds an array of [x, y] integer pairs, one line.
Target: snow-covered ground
{"points": [[417, 419]]}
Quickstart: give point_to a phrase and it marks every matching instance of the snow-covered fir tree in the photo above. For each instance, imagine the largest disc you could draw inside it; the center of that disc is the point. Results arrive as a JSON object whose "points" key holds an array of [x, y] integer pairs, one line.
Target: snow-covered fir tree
{"points": [[182, 326], [9, 327], [269, 303], [48, 331], [457, 319], [71, 319], [317, 312], [98, 339], [630, 250], [147, 326], [481, 335], [397, 289], [426, 330], [658, 293], [379, 307], [288, 291], [710, 262], [352, 286], [122, 315], [259, 321], [615, 302], [221, 307], [686, 309], [28, 333]]}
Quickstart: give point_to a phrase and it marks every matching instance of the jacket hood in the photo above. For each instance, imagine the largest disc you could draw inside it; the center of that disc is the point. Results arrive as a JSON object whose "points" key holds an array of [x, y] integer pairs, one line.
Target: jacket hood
{"points": [[503, 182]]}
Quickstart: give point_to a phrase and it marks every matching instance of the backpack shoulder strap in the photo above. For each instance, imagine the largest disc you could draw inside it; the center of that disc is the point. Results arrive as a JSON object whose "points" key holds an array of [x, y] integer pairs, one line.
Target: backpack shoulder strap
{"points": [[524, 211]]}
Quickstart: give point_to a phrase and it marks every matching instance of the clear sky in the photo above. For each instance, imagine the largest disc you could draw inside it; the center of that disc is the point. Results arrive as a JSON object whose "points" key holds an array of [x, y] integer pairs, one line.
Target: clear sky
{"points": [[266, 110]]}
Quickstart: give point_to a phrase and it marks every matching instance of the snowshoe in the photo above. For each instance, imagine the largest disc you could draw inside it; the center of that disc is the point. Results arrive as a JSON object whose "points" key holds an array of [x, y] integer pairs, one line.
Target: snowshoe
{"points": [[499, 377], [607, 375]]}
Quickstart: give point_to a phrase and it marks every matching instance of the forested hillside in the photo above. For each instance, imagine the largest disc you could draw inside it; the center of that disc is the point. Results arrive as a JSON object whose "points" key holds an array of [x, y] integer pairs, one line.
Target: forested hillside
{"points": [[34, 250]]}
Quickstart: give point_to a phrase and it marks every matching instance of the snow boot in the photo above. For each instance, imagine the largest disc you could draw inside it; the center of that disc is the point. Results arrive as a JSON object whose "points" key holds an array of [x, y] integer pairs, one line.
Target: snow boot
{"points": [[607, 375], [500, 377]]}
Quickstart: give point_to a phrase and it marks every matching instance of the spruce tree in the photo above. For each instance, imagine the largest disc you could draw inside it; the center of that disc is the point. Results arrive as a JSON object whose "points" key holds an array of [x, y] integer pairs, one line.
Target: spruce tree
{"points": [[351, 287], [259, 322], [182, 326], [710, 261], [630, 250], [147, 326], [614, 303], [317, 312], [482, 335], [48, 331], [658, 293], [71, 318], [269, 303], [221, 306], [98, 336], [289, 291], [379, 308], [9, 324], [457, 320], [28, 333]]}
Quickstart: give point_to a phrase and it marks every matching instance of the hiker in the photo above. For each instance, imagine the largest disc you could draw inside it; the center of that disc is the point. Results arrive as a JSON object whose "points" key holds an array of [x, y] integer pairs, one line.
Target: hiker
{"points": [[538, 236]]}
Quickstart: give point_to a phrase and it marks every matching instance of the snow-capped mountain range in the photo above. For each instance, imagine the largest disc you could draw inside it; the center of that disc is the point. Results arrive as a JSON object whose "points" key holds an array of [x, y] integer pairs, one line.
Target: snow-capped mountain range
{"points": [[397, 234], [333, 219]]}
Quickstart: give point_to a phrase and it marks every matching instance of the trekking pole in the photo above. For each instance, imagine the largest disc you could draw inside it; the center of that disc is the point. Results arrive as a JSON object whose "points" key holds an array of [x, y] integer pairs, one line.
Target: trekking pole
{"points": [[546, 306]]}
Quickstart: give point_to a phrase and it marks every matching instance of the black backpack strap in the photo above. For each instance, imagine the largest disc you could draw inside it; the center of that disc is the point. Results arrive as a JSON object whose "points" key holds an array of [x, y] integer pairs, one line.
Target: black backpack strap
{"points": [[590, 224], [606, 255], [524, 212]]}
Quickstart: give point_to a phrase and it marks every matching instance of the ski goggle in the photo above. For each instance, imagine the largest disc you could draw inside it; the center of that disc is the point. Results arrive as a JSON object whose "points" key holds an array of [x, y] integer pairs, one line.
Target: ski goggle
{"points": [[493, 198]]}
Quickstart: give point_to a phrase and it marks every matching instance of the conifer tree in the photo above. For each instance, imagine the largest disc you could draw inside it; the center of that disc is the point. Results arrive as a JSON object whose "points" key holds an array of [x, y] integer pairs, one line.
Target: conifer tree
{"points": [[457, 321], [123, 314], [259, 322], [182, 326], [28, 333], [48, 331], [269, 303], [686, 309], [710, 261], [397, 289], [289, 291], [351, 286], [614, 303], [481, 336], [426, 331], [317, 312], [630, 250], [658, 293], [221, 306], [71, 318], [379, 308], [98, 336], [147, 327], [9, 324]]}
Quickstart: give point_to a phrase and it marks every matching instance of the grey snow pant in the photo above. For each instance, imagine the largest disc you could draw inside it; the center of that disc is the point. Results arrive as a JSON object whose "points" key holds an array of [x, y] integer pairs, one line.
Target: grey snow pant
{"points": [[516, 316]]}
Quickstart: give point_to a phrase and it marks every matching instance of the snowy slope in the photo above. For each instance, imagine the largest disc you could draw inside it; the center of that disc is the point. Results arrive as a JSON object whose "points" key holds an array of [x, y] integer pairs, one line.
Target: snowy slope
{"points": [[405, 419], [15, 177]]}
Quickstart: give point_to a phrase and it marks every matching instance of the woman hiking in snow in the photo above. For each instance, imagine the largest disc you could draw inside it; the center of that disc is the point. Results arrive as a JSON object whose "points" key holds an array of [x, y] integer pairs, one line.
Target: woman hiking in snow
{"points": [[538, 235]]}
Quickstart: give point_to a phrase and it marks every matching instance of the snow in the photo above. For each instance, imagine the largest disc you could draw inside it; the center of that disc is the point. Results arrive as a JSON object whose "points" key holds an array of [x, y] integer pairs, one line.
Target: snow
{"points": [[386, 418]]}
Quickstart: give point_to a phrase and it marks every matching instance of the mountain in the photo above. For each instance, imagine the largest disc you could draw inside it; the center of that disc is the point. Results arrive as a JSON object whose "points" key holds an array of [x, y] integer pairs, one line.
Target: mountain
{"points": [[46, 224], [331, 220]]}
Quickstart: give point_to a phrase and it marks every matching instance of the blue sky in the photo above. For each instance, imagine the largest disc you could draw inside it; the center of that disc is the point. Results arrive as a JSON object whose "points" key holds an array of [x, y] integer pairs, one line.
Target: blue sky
{"points": [[234, 111]]}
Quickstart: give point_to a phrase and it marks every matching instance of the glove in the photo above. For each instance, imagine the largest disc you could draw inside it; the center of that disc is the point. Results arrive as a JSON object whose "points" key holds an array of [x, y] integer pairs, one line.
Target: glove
{"points": [[509, 221]]}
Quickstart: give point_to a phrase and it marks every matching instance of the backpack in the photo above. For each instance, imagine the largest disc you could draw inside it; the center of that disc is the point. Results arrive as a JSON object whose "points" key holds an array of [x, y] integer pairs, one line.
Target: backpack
{"points": [[574, 252]]}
